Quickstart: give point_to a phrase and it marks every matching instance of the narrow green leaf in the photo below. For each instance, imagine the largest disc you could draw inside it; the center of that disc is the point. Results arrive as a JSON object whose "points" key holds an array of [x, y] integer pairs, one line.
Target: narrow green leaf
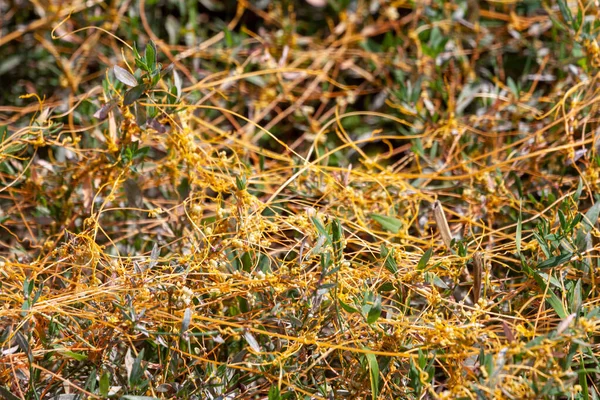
{"points": [[22, 342], [27, 288], [246, 260], [552, 298], [7, 394], [390, 224], [274, 393], [565, 11], [137, 370], [433, 279], [390, 262], [154, 256], [583, 379], [514, 88], [104, 384], [375, 310], [373, 375], [518, 234], [74, 355], [424, 259], [347, 307], [228, 37], [591, 217], [321, 229], [150, 55], [579, 20], [576, 297], [136, 53], [338, 236], [555, 261], [578, 192]]}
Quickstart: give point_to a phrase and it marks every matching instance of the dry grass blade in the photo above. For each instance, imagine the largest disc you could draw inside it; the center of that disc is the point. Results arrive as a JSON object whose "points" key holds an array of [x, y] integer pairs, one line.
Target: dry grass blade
{"points": [[477, 275], [442, 224]]}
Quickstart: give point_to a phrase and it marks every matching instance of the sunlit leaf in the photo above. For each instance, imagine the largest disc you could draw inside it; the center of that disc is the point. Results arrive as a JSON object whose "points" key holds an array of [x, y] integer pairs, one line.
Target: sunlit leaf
{"points": [[125, 76], [185, 323], [251, 340], [390, 224], [424, 259], [373, 374]]}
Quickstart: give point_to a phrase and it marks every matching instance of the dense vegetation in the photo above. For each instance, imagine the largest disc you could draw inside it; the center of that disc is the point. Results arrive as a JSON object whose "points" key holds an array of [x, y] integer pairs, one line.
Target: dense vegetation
{"points": [[302, 199]]}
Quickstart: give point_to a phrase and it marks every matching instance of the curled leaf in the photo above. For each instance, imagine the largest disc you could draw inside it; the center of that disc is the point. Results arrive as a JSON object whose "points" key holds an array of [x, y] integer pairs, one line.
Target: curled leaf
{"points": [[102, 113]]}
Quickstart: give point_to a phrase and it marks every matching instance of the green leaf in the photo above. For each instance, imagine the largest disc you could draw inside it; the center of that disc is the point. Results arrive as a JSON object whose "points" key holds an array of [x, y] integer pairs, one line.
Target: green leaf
{"points": [[555, 261], [583, 378], [575, 297], [373, 374], [141, 65], [153, 256], [22, 342], [137, 370], [75, 355], [347, 307], [565, 11], [136, 53], [390, 224], [552, 298], [246, 260], [390, 262], [579, 20], [133, 94], [150, 55], [518, 234], [130, 397], [424, 259], [591, 217], [14, 148], [228, 38], [104, 384], [514, 88], [433, 279], [240, 182], [274, 393], [172, 97], [338, 236], [7, 394], [579, 190], [321, 229], [27, 288], [375, 310], [125, 76]]}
